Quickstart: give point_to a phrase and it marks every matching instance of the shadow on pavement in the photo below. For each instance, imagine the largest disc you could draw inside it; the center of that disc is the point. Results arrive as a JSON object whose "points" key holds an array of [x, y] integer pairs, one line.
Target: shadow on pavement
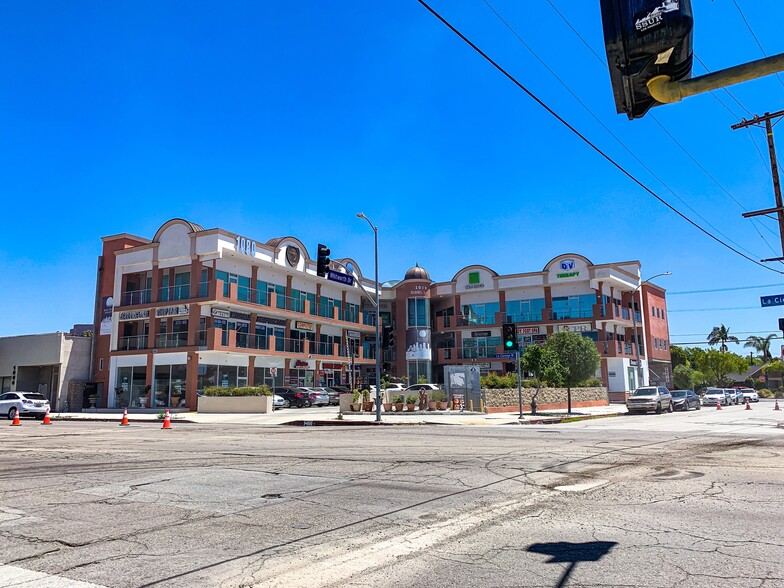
{"points": [[572, 553]]}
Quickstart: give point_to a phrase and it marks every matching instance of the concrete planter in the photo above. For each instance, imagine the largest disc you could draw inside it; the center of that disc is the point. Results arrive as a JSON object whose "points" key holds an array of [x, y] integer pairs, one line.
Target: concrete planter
{"points": [[235, 404], [505, 400]]}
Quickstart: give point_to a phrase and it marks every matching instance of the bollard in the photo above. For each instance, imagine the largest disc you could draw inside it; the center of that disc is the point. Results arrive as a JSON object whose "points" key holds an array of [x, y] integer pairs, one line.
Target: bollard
{"points": [[481, 405], [471, 405]]}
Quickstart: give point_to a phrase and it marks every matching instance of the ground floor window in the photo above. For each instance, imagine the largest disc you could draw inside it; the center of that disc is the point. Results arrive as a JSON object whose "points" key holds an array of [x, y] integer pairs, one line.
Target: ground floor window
{"points": [[264, 376], [131, 390], [418, 368], [226, 376], [169, 386], [298, 377]]}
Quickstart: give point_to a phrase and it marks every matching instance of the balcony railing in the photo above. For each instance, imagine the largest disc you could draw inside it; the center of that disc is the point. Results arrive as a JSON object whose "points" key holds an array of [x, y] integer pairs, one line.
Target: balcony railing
{"points": [[172, 293], [570, 313], [527, 317], [170, 340], [133, 297], [132, 343]]}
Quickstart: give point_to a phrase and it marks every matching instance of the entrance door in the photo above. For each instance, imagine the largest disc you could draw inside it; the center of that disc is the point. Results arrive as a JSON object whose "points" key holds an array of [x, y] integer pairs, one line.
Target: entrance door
{"points": [[632, 378]]}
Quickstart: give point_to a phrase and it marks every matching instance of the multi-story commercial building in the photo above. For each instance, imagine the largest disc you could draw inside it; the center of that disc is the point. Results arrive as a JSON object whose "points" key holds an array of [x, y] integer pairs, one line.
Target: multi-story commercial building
{"points": [[459, 322], [193, 308]]}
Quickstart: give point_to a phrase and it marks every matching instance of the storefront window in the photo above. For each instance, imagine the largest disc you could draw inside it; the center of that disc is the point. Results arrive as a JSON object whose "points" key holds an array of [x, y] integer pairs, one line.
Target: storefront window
{"points": [[416, 369], [263, 376], [418, 312], [522, 311], [131, 387], [169, 386], [480, 314]]}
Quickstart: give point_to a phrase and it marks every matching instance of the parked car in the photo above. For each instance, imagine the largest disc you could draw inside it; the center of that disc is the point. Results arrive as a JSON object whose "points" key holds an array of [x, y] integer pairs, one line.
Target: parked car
{"points": [[292, 397], [647, 398], [318, 396], [23, 403], [334, 395], [749, 395], [736, 396], [714, 396], [419, 387], [278, 401], [684, 400], [341, 389]]}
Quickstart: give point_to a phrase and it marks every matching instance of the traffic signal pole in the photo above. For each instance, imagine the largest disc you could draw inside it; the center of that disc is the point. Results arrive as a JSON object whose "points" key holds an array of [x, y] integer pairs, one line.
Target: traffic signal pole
{"points": [[665, 90], [519, 383]]}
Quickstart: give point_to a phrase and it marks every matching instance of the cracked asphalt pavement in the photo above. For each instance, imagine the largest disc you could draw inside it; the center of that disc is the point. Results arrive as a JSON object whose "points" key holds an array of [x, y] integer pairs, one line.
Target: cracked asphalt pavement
{"points": [[610, 502]]}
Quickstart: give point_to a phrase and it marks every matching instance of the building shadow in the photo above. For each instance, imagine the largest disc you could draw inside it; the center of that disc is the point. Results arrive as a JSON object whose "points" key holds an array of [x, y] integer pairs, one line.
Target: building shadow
{"points": [[572, 553]]}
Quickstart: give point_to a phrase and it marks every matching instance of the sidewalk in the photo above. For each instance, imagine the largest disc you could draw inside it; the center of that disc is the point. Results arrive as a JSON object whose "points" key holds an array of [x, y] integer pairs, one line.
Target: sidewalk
{"points": [[330, 416]]}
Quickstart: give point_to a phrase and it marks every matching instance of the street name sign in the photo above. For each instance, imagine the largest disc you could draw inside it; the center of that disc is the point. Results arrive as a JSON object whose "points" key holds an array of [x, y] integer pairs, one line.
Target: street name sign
{"points": [[773, 300], [345, 278], [504, 355]]}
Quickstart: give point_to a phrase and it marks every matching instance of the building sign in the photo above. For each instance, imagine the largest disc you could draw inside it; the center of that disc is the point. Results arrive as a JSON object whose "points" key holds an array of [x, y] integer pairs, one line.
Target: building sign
{"points": [[352, 334], [134, 315], [220, 313], [332, 366], [264, 320], [301, 364], [165, 311], [340, 278], [567, 269], [420, 290], [480, 333], [474, 281], [610, 374], [107, 307], [240, 316], [303, 326], [292, 255], [527, 330], [418, 344], [246, 246], [576, 328]]}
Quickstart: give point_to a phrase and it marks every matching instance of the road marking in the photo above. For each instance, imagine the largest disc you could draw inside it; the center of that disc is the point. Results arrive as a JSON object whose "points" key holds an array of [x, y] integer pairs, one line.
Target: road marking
{"points": [[584, 487], [15, 576]]}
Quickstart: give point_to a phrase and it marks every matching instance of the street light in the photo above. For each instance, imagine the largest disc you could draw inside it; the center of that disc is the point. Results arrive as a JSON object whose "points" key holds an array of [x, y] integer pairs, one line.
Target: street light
{"points": [[378, 322], [634, 324]]}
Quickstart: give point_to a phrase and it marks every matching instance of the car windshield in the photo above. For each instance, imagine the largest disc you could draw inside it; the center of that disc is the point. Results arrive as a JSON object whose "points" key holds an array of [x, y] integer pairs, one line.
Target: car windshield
{"points": [[644, 392], [34, 396], [678, 393], [713, 391]]}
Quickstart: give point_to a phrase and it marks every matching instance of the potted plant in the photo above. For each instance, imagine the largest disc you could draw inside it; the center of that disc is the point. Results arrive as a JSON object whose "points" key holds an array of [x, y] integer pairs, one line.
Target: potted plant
{"points": [[386, 403], [143, 396], [411, 403], [93, 398], [439, 397], [398, 402], [356, 401], [367, 403]]}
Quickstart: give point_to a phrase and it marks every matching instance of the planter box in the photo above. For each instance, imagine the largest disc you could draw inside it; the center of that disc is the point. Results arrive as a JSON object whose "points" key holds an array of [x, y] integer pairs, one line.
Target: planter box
{"points": [[235, 404]]}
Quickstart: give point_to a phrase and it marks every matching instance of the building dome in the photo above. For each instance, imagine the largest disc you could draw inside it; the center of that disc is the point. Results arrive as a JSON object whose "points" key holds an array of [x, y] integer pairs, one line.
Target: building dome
{"points": [[417, 273]]}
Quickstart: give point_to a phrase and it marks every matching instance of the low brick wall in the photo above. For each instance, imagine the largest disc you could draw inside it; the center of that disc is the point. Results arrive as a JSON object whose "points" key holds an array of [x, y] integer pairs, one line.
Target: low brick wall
{"points": [[506, 399], [235, 404]]}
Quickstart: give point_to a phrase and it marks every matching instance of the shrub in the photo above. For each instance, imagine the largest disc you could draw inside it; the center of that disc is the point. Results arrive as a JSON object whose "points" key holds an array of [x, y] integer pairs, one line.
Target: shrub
{"points": [[412, 400], [496, 381], [592, 382], [243, 391], [765, 393], [398, 400], [438, 396]]}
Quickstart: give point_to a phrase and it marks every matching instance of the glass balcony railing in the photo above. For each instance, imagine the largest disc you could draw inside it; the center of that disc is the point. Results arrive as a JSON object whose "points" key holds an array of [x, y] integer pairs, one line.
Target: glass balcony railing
{"points": [[170, 340], [132, 343], [172, 293], [133, 297]]}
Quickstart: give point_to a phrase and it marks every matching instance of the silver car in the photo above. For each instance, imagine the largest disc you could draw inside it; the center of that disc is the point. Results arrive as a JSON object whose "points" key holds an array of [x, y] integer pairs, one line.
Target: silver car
{"points": [[317, 396], [24, 404], [736, 396], [647, 398], [714, 396]]}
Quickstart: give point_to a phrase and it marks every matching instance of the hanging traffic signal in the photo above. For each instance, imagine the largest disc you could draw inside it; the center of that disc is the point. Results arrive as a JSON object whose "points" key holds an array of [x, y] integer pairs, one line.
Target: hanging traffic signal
{"points": [[645, 39], [509, 337], [387, 337], [322, 263]]}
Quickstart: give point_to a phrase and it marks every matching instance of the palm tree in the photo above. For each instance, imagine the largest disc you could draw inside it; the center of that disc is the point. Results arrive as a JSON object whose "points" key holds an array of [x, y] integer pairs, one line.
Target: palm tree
{"points": [[721, 335], [761, 345]]}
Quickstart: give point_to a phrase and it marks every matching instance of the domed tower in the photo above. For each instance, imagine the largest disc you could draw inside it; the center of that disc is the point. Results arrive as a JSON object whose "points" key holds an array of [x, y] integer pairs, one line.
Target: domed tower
{"points": [[412, 355]]}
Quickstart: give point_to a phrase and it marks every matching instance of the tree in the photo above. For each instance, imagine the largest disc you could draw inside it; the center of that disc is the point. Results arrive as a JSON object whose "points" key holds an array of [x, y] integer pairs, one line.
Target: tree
{"points": [[761, 345], [680, 356], [717, 364], [721, 335], [544, 365], [577, 356], [683, 377]]}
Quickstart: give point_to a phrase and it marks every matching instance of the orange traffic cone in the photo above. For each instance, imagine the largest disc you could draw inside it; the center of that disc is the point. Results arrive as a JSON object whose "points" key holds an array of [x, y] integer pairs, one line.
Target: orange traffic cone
{"points": [[777, 405], [18, 423], [166, 420], [718, 405], [748, 405], [47, 420], [124, 422]]}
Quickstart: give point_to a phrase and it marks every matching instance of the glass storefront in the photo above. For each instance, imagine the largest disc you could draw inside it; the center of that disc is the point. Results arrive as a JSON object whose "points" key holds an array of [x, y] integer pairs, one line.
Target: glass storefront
{"points": [[169, 386], [131, 389], [263, 376]]}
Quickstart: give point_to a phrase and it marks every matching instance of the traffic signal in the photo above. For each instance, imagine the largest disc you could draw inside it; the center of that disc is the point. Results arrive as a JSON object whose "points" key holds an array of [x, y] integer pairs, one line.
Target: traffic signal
{"points": [[509, 336], [781, 324], [387, 337], [322, 263], [645, 39]]}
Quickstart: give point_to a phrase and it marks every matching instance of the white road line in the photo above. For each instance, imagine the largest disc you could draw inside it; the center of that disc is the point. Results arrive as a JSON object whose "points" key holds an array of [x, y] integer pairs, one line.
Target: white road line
{"points": [[12, 576]]}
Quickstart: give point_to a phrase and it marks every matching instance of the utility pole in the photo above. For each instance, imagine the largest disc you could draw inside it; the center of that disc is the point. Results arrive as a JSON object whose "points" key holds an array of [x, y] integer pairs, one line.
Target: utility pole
{"points": [[767, 119]]}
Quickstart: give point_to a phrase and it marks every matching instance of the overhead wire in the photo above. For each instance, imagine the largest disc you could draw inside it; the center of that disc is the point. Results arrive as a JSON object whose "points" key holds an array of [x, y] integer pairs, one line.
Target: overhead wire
{"points": [[748, 26], [754, 222], [731, 289], [588, 142]]}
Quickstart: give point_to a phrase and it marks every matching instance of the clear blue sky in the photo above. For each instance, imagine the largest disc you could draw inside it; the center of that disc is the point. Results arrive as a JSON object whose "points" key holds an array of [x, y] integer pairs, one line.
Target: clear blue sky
{"points": [[278, 118]]}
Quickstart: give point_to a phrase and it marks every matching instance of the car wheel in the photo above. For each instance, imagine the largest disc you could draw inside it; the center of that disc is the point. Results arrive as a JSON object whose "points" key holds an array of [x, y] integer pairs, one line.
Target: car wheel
{"points": [[670, 408], [12, 413], [658, 408], [286, 404], [698, 407]]}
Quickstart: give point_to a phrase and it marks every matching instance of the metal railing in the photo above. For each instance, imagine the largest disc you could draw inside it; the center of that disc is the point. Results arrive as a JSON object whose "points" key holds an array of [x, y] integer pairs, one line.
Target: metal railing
{"points": [[170, 340], [133, 297], [132, 342]]}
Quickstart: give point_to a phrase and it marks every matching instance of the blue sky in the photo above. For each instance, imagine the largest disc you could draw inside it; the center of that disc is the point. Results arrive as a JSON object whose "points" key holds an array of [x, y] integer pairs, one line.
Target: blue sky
{"points": [[272, 119]]}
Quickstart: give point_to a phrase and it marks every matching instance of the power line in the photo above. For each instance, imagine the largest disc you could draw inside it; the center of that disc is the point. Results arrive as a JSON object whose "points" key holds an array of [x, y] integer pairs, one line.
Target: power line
{"points": [[736, 332], [748, 26], [732, 289], [587, 141], [620, 142]]}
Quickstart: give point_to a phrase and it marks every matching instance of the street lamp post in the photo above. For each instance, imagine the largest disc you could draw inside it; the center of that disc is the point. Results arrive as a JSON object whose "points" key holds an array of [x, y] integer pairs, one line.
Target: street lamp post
{"points": [[378, 323], [634, 325]]}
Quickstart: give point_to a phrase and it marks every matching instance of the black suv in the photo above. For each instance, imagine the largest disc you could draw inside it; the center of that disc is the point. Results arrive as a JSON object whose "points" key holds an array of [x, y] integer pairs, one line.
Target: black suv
{"points": [[292, 397]]}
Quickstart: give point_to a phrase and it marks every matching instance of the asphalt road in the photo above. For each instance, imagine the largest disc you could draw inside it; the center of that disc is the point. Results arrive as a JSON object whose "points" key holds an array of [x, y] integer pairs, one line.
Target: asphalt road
{"points": [[688, 500]]}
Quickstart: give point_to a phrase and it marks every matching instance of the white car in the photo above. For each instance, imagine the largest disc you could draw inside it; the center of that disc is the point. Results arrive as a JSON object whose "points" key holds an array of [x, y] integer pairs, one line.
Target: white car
{"points": [[714, 396], [23, 403], [278, 401], [749, 395]]}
